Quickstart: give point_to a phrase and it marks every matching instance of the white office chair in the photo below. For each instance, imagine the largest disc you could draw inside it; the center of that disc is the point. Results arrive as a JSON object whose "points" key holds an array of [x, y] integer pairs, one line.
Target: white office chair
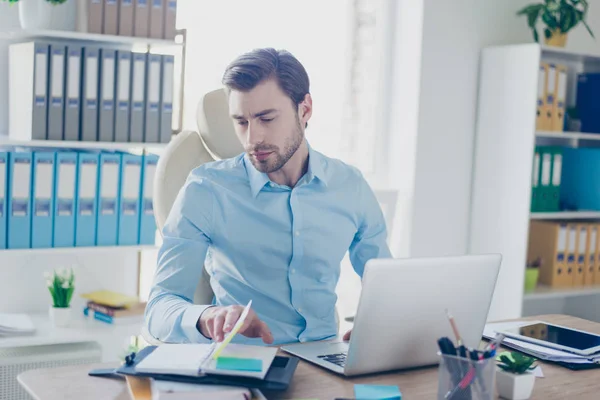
{"points": [[215, 139]]}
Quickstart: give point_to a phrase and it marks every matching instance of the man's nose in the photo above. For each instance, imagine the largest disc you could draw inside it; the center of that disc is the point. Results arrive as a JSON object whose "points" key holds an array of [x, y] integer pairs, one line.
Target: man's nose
{"points": [[255, 134]]}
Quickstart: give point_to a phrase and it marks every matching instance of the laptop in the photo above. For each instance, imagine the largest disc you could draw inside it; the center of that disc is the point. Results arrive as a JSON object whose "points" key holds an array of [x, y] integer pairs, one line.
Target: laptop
{"points": [[402, 313]]}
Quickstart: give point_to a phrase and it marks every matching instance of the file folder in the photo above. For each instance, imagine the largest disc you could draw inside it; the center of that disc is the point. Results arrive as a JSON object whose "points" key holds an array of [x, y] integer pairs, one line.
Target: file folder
{"points": [[73, 103], [548, 241], [545, 178], [170, 18], [106, 119], [558, 116], [147, 221], [138, 103], [108, 206], [592, 240], [157, 17], [89, 112], [141, 18], [123, 92], [553, 203], [550, 96], [3, 197], [579, 271], [571, 256], [64, 199], [55, 87], [111, 17], [19, 206], [42, 217], [541, 98], [535, 180], [86, 210], [95, 15], [28, 91], [597, 257], [129, 209], [153, 99], [588, 108], [125, 17], [166, 107]]}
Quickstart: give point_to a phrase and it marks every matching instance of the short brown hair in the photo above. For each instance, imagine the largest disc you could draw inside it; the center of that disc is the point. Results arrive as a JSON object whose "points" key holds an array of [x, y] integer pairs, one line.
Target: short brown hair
{"points": [[256, 66]]}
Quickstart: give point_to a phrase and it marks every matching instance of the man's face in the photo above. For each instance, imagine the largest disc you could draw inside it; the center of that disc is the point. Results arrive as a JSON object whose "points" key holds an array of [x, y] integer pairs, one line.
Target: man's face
{"points": [[267, 124]]}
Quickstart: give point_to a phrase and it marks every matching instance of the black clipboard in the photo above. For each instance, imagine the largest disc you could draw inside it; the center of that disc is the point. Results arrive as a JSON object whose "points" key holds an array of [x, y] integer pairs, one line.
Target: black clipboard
{"points": [[278, 377]]}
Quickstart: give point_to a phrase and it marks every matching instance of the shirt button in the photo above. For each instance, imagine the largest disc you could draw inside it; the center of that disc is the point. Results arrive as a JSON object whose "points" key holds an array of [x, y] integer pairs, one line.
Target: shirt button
{"points": [[293, 270], [297, 233], [300, 309]]}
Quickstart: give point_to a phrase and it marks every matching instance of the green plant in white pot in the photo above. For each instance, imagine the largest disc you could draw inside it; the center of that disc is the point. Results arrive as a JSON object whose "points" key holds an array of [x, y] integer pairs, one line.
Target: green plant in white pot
{"points": [[558, 16], [61, 285], [514, 377]]}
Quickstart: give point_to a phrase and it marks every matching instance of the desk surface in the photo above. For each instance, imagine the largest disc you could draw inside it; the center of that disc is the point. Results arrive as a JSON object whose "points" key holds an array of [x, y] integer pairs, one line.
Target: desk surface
{"points": [[72, 382]]}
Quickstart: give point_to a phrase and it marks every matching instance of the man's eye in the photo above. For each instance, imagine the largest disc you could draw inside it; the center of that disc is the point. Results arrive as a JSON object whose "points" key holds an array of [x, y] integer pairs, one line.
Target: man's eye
{"points": [[242, 123], [266, 119]]}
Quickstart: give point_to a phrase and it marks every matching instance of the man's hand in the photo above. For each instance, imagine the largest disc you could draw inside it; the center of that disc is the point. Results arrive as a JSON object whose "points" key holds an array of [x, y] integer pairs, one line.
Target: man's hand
{"points": [[215, 322], [347, 335]]}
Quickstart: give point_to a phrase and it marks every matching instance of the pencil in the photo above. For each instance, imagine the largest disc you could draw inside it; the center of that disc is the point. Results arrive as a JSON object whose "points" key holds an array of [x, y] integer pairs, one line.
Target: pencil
{"points": [[454, 328]]}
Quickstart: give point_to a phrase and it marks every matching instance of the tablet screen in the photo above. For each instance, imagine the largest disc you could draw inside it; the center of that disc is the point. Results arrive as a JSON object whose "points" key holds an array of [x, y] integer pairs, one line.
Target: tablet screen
{"points": [[557, 335]]}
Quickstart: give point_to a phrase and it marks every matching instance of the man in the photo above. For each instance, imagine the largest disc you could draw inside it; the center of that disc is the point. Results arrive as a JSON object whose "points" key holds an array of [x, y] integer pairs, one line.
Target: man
{"points": [[273, 223]]}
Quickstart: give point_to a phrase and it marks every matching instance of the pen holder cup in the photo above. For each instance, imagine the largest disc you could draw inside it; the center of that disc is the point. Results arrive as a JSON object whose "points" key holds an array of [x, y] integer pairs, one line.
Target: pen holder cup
{"points": [[465, 379]]}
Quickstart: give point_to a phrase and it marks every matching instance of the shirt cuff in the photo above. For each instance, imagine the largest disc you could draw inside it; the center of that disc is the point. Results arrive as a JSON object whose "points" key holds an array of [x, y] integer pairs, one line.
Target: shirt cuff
{"points": [[189, 324]]}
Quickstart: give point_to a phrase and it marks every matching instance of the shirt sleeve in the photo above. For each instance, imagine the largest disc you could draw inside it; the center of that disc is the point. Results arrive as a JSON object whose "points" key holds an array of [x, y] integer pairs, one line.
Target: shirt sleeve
{"points": [[370, 240], [170, 314]]}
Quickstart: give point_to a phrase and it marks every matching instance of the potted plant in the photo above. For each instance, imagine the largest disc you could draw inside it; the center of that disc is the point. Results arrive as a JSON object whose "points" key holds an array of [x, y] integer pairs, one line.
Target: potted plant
{"points": [[532, 273], [558, 16], [61, 287], [40, 14], [514, 378]]}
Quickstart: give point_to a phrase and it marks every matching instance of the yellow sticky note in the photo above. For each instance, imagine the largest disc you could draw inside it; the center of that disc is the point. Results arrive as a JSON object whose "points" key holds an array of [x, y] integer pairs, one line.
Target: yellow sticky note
{"points": [[230, 335]]}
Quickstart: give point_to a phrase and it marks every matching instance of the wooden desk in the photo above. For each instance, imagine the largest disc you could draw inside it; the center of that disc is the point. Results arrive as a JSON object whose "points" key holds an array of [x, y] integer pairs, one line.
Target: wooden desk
{"points": [[72, 382]]}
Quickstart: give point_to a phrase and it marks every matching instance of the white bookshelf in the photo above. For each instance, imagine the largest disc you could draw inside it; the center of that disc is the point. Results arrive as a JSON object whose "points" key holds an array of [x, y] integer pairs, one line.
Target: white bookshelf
{"points": [[65, 144], [501, 191]]}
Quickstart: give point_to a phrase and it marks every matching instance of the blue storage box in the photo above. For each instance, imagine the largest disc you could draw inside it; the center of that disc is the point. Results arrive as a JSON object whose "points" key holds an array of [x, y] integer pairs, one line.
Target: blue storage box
{"points": [[588, 102], [580, 179]]}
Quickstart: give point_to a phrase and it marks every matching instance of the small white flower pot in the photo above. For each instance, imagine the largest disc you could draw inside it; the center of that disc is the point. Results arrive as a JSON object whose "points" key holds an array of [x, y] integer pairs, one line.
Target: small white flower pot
{"points": [[35, 14], [514, 387], [60, 317]]}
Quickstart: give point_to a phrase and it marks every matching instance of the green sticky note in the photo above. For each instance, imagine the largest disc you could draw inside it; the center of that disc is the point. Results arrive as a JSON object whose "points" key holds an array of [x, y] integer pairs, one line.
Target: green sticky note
{"points": [[377, 392], [239, 364]]}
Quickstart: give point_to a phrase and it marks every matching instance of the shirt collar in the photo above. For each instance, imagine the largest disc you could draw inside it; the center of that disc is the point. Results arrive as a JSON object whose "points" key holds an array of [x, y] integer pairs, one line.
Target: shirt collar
{"points": [[258, 179]]}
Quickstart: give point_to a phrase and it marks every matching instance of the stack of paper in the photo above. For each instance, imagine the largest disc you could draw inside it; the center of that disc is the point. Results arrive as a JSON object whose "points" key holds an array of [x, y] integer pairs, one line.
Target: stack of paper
{"points": [[534, 350], [15, 325]]}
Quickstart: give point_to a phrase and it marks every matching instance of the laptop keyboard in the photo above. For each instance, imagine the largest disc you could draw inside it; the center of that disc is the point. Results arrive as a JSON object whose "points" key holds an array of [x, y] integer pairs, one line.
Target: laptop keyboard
{"points": [[338, 359]]}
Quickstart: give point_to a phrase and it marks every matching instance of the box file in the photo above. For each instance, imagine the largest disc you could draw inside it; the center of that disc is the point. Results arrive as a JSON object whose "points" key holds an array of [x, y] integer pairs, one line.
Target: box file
{"points": [[28, 91], [170, 18], [42, 210], [110, 25], [571, 255], [153, 99], [19, 206], [73, 93], [106, 119], [590, 250], [541, 98], [147, 221], [166, 107], [558, 116], [545, 178], [138, 103], [126, 18], [553, 201], [64, 199], [579, 271], [548, 241], [56, 104], [3, 197], [95, 15], [581, 167], [550, 96], [588, 107], [123, 92], [535, 180], [86, 209], [89, 111], [129, 209], [108, 206], [597, 256], [141, 18], [157, 17]]}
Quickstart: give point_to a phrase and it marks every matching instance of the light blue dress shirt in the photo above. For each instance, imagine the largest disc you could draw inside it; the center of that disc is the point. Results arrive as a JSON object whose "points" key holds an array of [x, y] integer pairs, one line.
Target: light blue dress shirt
{"points": [[278, 246]]}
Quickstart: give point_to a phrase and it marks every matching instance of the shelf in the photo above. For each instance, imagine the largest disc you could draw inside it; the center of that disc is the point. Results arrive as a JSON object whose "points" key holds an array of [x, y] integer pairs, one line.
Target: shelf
{"points": [[79, 250], [568, 135], [569, 55], [21, 35], [80, 329], [546, 292], [566, 215], [4, 141]]}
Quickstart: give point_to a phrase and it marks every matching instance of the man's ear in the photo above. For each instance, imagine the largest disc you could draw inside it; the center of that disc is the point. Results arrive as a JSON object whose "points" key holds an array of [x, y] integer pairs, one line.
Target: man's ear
{"points": [[305, 109]]}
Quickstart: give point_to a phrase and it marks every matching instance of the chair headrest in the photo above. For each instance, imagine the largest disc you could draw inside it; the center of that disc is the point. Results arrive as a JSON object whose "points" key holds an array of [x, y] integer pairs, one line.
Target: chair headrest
{"points": [[216, 127]]}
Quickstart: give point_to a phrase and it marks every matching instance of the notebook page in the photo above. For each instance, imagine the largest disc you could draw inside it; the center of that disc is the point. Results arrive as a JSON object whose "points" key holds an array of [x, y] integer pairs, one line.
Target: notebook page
{"points": [[180, 359]]}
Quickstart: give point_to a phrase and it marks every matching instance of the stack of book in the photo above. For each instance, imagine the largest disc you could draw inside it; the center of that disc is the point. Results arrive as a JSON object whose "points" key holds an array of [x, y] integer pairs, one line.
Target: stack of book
{"points": [[113, 308]]}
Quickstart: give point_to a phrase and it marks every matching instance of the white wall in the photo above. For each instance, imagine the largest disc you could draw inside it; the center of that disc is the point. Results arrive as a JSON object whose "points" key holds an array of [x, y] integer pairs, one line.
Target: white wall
{"points": [[9, 20]]}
